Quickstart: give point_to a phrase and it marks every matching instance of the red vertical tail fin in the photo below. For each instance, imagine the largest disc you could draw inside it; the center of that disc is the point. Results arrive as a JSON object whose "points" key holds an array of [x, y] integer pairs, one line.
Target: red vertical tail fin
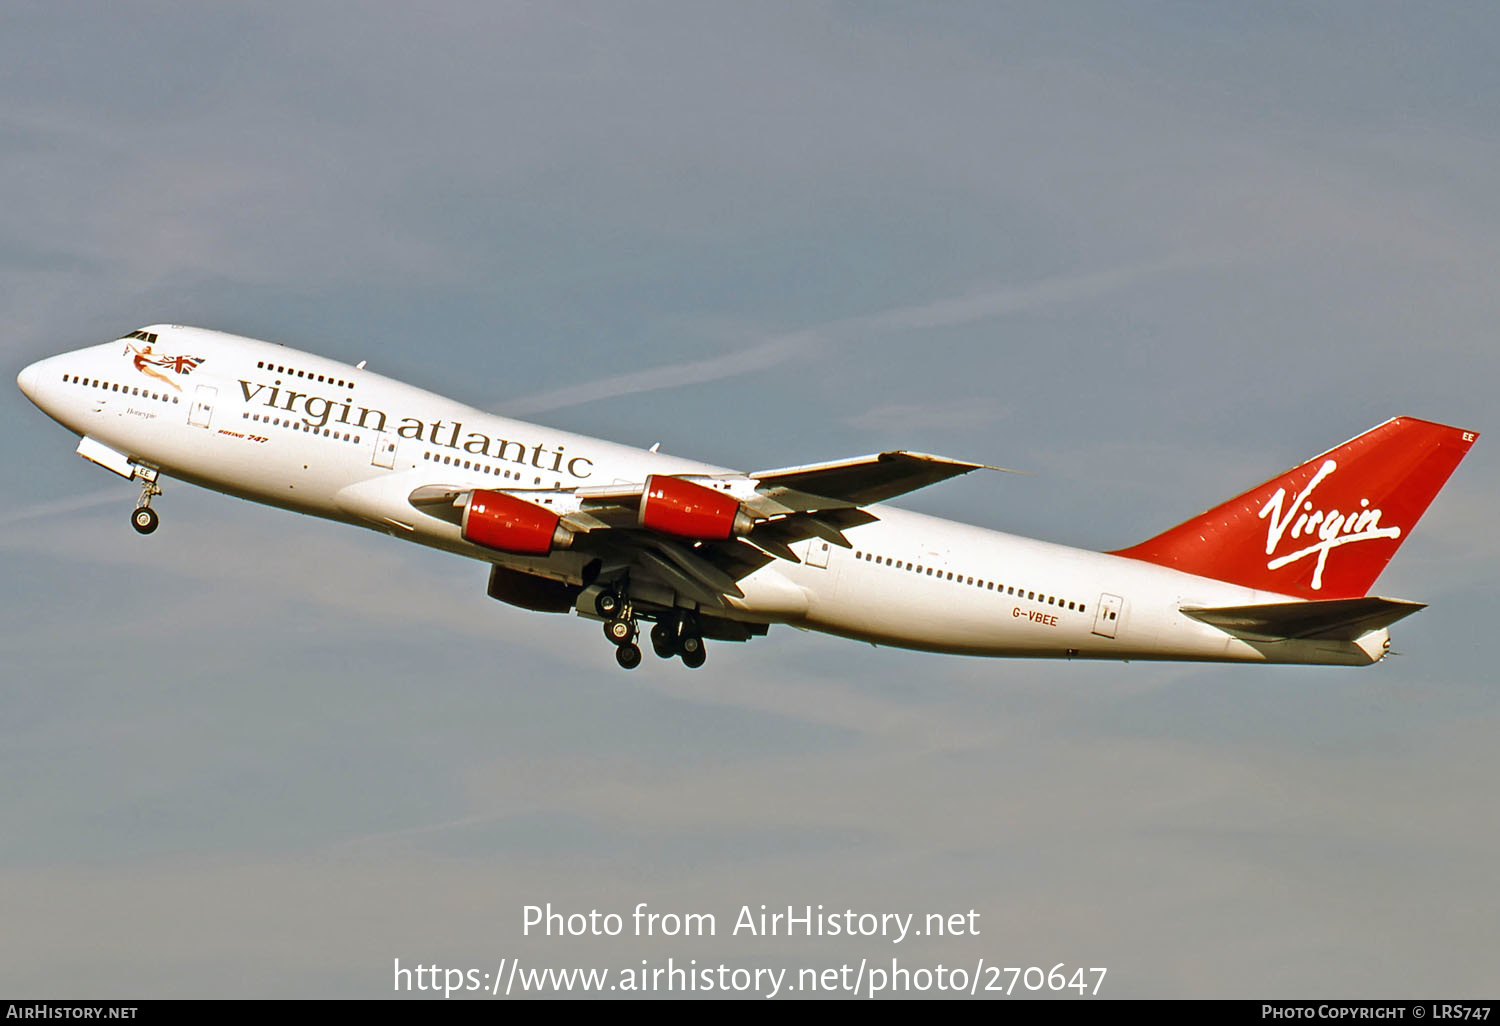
{"points": [[1327, 528]]}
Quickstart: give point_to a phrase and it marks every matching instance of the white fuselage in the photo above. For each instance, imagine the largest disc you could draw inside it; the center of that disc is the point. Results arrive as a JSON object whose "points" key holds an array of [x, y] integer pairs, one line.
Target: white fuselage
{"points": [[299, 431]]}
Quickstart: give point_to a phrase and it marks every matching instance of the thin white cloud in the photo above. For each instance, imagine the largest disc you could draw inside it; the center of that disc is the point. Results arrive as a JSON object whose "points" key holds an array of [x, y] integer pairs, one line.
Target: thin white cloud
{"points": [[770, 352], [62, 507]]}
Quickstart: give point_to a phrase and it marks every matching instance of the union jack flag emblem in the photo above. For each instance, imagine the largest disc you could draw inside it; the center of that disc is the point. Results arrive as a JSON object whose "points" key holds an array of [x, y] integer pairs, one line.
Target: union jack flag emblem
{"points": [[144, 357], [180, 364]]}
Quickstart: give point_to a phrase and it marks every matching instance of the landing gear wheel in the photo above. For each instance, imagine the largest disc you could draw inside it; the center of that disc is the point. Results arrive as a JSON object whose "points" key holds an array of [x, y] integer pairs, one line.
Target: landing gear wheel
{"points": [[620, 632], [663, 641], [694, 659], [628, 656], [144, 519]]}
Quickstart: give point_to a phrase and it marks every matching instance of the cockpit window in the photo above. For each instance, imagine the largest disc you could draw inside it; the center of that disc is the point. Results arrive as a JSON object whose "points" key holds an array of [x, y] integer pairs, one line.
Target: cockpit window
{"points": [[148, 337]]}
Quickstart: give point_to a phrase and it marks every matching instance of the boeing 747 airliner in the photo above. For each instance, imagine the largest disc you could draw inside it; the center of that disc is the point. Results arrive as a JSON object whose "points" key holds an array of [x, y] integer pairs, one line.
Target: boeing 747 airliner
{"points": [[1280, 574]]}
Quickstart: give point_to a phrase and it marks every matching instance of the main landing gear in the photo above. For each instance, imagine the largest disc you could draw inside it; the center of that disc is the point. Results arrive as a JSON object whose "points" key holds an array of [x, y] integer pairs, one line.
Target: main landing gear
{"points": [[620, 627], [144, 519], [679, 636], [673, 635]]}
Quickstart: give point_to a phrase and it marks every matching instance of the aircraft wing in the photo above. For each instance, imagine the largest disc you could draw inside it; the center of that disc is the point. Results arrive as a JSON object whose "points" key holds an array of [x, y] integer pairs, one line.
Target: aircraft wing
{"points": [[792, 504], [781, 508], [863, 479], [1331, 619], [840, 484]]}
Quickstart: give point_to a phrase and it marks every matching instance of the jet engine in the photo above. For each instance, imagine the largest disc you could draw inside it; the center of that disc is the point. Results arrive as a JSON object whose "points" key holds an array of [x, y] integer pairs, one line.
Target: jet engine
{"points": [[498, 520], [688, 510]]}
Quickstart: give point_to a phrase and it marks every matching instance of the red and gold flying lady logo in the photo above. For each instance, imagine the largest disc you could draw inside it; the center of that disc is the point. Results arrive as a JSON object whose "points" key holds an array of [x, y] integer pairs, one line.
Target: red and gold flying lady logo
{"points": [[147, 362]]}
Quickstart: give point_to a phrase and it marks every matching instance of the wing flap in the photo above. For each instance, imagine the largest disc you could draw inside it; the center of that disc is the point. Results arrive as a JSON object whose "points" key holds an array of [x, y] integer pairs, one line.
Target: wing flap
{"points": [[1330, 619], [676, 578], [826, 524], [700, 570]]}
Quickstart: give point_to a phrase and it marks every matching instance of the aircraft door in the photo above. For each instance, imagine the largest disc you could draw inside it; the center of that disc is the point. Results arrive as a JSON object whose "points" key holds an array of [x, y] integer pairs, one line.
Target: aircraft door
{"points": [[385, 451], [817, 553], [1107, 615], [202, 410]]}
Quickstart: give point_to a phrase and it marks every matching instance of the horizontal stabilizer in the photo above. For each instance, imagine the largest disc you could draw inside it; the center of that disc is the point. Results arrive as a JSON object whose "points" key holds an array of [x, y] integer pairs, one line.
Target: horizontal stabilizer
{"points": [[1330, 619]]}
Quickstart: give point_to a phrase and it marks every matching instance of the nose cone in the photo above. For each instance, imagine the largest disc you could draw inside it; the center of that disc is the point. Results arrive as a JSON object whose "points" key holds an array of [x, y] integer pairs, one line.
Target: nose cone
{"points": [[28, 379]]}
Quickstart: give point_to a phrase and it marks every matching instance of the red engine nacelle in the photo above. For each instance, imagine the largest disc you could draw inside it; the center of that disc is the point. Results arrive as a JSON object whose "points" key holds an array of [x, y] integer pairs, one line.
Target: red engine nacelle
{"points": [[674, 506], [500, 521]]}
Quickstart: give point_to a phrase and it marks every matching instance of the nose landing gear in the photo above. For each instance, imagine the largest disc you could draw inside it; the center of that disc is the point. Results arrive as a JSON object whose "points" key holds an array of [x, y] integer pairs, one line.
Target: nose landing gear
{"points": [[144, 519]]}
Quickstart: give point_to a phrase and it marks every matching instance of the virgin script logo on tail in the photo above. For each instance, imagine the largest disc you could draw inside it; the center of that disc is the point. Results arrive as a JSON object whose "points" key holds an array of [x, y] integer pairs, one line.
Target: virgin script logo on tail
{"points": [[1331, 527]]}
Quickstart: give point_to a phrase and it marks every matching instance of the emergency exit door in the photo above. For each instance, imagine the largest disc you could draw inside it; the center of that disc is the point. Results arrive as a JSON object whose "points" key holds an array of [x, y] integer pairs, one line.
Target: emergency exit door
{"points": [[1107, 615], [202, 410], [385, 451]]}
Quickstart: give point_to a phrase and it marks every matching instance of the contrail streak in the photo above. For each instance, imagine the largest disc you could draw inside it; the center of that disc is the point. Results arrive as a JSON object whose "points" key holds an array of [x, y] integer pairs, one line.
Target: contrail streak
{"points": [[59, 506], [781, 348]]}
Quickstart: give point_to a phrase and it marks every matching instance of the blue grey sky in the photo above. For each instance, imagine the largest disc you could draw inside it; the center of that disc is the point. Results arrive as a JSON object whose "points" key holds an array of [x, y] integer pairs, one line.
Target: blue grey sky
{"points": [[1153, 253]]}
